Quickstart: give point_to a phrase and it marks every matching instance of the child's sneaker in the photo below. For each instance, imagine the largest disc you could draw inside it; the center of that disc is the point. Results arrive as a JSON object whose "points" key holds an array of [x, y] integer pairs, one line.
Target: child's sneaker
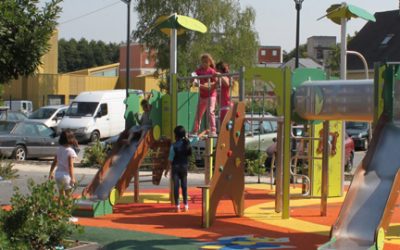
{"points": [[186, 209], [178, 209], [212, 134], [193, 134], [73, 219]]}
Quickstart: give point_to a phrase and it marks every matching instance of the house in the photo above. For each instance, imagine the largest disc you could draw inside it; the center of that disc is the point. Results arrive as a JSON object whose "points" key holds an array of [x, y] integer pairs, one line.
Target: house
{"points": [[269, 55], [319, 48], [303, 63], [377, 42]]}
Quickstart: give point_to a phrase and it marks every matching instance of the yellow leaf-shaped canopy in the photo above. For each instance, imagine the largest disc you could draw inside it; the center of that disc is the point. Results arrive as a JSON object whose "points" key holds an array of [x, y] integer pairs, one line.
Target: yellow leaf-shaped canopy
{"points": [[180, 23], [337, 11]]}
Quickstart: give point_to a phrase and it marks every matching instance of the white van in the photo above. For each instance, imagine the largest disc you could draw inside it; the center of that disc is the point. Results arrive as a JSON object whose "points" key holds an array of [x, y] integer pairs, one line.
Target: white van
{"points": [[19, 105], [96, 114], [49, 115]]}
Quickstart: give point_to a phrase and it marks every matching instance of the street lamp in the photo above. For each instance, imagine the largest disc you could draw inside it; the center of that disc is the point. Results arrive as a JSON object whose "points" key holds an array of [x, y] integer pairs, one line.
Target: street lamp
{"points": [[128, 45], [298, 8]]}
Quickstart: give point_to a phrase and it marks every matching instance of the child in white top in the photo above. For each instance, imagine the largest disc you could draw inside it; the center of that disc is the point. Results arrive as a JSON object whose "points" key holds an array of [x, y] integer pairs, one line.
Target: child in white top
{"points": [[64, 162]]}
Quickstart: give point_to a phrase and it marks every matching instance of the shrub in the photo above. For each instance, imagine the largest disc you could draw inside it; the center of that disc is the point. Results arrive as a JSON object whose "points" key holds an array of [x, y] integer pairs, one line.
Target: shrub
{"points": [[7, 171], [254, 162], [94, 155], [36, 220]]}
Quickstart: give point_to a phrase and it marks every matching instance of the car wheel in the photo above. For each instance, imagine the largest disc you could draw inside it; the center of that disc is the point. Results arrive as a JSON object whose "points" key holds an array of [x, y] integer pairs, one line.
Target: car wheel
{"points": [[349, 163], [19, 153], [95, 136]]}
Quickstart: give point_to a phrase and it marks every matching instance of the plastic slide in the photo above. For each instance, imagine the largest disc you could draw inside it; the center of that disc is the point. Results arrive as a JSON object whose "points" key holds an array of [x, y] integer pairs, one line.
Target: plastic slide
{"points": [[367, 208], [124, 158]]}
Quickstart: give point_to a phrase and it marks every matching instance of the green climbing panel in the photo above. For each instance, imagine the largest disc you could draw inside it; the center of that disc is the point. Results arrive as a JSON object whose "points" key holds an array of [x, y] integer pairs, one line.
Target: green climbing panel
{"points": [[156, 108], [304, 74], [133, 108], [187, 107], [166, 115]]}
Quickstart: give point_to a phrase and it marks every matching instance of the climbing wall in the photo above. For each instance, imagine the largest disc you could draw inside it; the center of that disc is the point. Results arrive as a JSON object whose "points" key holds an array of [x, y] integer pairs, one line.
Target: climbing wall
{"points": [[228, 177]]}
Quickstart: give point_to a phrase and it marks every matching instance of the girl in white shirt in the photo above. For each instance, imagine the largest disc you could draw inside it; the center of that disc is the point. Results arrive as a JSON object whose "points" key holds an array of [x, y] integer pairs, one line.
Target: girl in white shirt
{"points": [[64, 162]]}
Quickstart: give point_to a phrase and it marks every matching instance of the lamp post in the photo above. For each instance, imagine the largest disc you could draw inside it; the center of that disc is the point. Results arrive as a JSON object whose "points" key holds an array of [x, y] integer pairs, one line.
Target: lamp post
{"points": [[128, 46], [298, 8]]}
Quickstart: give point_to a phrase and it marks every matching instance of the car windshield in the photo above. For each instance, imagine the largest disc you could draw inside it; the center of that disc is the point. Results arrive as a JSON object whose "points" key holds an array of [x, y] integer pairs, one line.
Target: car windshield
{"points": [[82, 109], [6, 127], [12, 116], [42, 113], [356, 125]]}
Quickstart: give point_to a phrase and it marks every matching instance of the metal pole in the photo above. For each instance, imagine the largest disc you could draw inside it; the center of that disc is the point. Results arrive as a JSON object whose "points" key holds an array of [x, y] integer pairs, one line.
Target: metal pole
{"points": [[128, 45], [298, 8], [241, 84], [343, 49], [349, 52]]}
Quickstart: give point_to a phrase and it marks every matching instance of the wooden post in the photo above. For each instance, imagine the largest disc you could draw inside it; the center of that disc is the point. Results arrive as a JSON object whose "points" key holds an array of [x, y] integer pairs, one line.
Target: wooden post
{"points": [[325, 169]]}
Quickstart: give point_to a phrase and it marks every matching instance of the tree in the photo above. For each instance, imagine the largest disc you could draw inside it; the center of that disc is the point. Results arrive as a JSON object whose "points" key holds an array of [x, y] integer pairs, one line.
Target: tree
{"points": [[231, 35], [25, 30], [75, 55], [292, 53]]}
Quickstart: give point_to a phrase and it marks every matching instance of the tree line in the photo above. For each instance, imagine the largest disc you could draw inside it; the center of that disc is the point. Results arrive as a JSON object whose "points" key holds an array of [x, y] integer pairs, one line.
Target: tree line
{"points": [[76, 55]]}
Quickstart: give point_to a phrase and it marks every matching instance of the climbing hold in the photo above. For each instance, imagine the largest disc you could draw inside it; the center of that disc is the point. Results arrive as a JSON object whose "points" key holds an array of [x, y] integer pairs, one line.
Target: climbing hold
{"points": [[237, 133], [221, 168], [229, 177], [223, 145], [229, 153], [237, 114], [229, 125], [156, 132], [238, 161]]}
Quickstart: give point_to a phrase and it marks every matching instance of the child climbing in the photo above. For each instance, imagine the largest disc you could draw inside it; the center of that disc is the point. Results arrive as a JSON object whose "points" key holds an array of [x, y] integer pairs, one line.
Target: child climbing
{"points": [[179, 155], [208, 94], [64, 163], [225, 102], [144, 120]]}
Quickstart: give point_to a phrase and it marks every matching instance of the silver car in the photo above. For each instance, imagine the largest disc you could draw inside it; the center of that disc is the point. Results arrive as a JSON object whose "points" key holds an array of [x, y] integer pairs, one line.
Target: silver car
{"points": [[259, 136]]}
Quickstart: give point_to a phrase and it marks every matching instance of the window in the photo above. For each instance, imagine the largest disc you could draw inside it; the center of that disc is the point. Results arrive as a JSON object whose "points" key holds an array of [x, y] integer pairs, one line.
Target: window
{"points": [[78, 109], [274, 52], [263, 52], [267, 127], [26, 129], [104, 109], [55, 99], [44, 131], [387, 39], [146, 61]]}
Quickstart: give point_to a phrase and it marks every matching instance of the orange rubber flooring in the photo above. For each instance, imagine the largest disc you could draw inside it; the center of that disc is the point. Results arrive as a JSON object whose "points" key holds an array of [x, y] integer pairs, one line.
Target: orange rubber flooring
{"points": [[159, 218]]}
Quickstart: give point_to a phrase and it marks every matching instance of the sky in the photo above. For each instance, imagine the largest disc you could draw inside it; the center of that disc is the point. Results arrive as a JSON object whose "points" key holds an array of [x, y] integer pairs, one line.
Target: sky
{"points": [[275, 19]]}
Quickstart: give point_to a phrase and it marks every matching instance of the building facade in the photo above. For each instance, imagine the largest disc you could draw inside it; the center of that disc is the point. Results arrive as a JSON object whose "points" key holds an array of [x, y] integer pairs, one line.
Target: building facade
{"points": [[319, 48], [269, 55]]}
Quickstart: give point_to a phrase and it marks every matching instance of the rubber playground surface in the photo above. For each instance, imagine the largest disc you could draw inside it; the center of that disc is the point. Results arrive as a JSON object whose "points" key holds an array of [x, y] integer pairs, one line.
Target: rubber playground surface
{"points": [[153, 224]]}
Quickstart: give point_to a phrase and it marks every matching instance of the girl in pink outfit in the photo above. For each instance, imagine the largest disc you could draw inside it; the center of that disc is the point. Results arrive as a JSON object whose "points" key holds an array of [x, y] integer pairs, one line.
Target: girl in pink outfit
{"points": [[226, 103], [208, 94]]}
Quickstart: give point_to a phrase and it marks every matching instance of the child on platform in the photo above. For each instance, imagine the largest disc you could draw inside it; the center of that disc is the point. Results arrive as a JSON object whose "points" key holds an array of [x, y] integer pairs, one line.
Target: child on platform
{"points": [[208, 94], [226, 103]]}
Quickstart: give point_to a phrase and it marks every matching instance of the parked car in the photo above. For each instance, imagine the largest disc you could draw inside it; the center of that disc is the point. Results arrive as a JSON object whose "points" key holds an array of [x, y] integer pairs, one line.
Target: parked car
{"points": [[360, 132], [349, 153], [49, 115], [27, 139], [256, 137], [7, 115]]}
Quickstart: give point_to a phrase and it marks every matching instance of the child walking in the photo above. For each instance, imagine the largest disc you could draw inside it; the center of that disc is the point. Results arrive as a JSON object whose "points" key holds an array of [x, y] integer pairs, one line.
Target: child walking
{"points": [[179, 155], [64, 163], [226, 103], [208, 94]]}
